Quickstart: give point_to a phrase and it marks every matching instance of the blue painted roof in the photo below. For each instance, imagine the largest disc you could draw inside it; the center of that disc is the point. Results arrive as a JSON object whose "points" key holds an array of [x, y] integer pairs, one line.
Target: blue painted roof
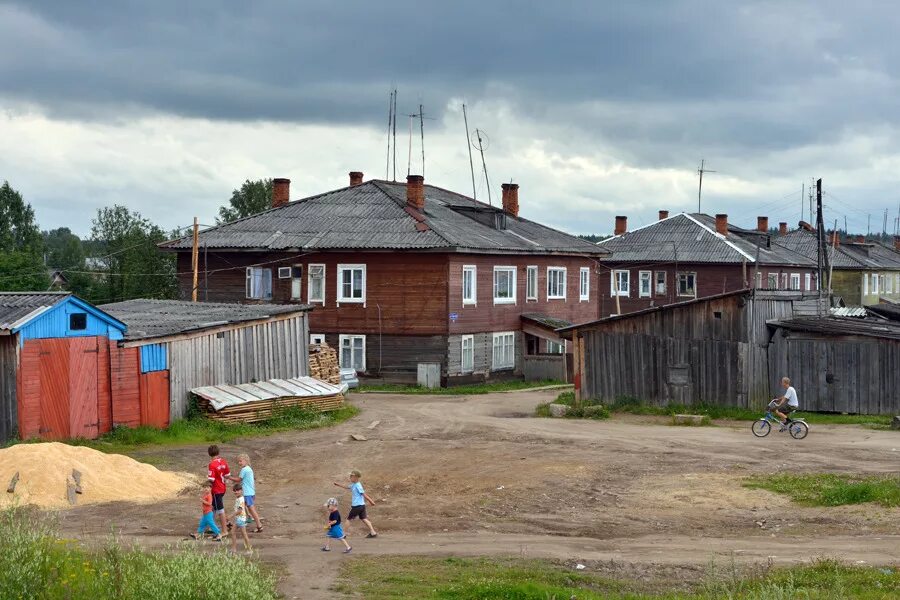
{"points": [[36, 315]]}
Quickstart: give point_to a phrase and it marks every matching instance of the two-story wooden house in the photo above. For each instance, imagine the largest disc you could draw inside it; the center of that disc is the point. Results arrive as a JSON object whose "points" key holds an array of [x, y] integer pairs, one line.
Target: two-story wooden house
{"points": [[405, 273], [688, 256]]}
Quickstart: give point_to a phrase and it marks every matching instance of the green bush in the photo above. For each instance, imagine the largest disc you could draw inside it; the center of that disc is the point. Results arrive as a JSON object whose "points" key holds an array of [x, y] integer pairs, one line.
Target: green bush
{"points": [[34, 563], [588, 410]]}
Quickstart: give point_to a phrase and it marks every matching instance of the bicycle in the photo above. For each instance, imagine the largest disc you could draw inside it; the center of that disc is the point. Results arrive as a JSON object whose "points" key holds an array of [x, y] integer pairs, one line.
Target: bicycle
{"points": [[798, 428]]}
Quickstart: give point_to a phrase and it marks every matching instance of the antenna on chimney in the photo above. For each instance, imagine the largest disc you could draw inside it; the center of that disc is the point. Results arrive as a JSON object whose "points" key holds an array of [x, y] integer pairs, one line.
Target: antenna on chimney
{"points": [[482, 142], [421, 116], [701, 170], [469, 146]]}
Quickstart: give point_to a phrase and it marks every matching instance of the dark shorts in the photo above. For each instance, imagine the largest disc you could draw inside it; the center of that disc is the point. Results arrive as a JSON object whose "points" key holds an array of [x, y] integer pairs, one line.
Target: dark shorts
{"points": [[786, 409], [218, 503], [357, 511]]}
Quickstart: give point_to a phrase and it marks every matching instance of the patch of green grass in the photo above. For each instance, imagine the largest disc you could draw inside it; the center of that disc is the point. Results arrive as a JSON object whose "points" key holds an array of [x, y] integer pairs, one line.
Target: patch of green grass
{"points": [[385, 577], [35, 563], [588, 410], [459, 390], [197, 429], [831, 490]]}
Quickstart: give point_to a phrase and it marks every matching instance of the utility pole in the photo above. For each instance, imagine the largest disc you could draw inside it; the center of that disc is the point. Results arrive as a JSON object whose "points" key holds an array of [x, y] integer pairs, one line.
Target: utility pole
{"points": [[820, 236], [195, 258], [884, 229], [803, 200], [701, 170]]}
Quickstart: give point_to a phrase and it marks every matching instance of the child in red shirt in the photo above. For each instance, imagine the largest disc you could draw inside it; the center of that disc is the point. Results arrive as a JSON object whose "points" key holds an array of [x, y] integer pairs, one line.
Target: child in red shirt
{"points": [[218, 473], [207, 521]]}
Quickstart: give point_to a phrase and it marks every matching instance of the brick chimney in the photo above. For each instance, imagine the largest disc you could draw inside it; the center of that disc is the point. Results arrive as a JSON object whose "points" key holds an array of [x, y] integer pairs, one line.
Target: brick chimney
{"points": [[621, 225], [281, 192], [860, 239], [806, 226], [782, 228], [511, 198], [356, 178], [415, 191], [762, 224], [835, 239], [663, 214], [722, 224], [897, 243]]}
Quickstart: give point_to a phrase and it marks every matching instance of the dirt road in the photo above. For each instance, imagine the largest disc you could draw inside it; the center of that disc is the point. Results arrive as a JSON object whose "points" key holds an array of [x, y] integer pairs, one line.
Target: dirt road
{"points": [[477, 476]]}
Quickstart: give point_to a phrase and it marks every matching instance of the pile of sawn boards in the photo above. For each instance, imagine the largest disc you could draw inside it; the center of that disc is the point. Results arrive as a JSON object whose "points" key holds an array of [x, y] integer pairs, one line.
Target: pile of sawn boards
{"points": [[260, 401], [323, 364]]}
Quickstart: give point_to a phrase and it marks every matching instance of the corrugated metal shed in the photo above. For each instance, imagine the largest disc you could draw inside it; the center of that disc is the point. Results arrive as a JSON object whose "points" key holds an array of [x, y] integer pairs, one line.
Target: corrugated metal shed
{"points": [[373, 215], [848, 311], [153, 358], [223, 396]]}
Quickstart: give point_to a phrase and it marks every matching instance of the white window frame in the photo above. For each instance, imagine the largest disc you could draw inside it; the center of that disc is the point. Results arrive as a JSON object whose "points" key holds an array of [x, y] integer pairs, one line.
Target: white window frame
{"points": [[473, 301], [875, 283], [865, 284], [785, 281], [296, 283], [561, 347], [808, 279], [557, 270], [464, 341], [614, 280], [350, 338], [284, 272], [678, 283], [665, 283], [584, 284], [341, 268], [769, 279], [309, 279], [317, 338], [505, 365], [648, 277], [795, 277], [498, 300], [531, 283], [250, 283]]}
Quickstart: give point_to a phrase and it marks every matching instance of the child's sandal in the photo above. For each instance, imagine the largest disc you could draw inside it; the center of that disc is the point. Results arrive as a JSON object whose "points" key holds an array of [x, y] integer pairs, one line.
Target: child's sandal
{"points": [[195, 536], [258, 530], [324, 549]]}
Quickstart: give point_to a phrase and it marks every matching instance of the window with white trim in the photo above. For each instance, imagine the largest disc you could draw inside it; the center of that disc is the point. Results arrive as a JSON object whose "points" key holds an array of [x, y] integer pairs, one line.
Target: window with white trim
{"points": [[660, 283], [531, 279], [772, 281], [467, 360], [644, 279], [759, 281], [315, 286], [584, 283], [795, 281], [351, 283], [556, 283], [554, 347], [875, 282], [865, 284], [888, 284], [259, 283], [296, 273], [687, 284], [284, 272], [352, 352], [504, 285], [809, 282], [618, 283], [317, 338], [785, 284], [469, 281], [504, 351]]}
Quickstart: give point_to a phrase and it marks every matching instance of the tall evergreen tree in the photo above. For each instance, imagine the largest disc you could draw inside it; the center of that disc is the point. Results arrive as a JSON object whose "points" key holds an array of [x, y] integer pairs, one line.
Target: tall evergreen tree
{"points": [[21, 245]]}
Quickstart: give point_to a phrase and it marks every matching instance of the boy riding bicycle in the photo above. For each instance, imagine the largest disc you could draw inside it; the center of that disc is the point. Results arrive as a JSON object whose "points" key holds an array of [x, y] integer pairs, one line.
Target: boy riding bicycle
{"points": [[786, 403]]}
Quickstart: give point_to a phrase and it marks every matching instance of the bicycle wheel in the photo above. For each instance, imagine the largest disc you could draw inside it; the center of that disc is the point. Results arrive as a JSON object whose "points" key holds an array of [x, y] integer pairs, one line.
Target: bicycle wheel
{"points": [[798, 430], [761, 428]]}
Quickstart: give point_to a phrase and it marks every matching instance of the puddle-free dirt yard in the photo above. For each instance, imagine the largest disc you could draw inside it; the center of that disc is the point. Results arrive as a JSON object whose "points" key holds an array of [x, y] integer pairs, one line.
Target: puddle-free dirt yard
{"points": [[473, 476]]}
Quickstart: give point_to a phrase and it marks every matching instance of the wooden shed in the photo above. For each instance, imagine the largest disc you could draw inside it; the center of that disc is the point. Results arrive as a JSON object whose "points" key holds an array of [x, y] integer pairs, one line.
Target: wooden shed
{"points": [[707, 351], [173, 346], [54, 366]]}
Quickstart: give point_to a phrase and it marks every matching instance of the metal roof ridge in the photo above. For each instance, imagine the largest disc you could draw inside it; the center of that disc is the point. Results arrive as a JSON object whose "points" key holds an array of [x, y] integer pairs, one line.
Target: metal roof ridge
{"points": [[722, 238], [654, 223]]}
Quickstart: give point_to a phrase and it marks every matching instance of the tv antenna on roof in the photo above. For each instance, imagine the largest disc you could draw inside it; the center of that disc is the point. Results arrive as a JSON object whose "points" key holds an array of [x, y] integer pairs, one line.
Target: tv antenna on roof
{"points": [[481, 142], [701, 170]]}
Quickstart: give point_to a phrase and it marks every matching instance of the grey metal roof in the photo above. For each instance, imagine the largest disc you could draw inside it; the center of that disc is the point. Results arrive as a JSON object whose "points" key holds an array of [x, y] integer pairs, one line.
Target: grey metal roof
{"points": [[873, 255], [17, 308], [547, 321], [692, 238], [374, 215], [147, 318], [837, 326], [805, 242], [888, 310]]}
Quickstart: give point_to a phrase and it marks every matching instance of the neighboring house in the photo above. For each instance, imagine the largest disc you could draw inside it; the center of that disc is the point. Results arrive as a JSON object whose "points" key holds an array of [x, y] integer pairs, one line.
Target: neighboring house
{"points": [[58, 280], [690, 256], [404, 273], [863, 272]]}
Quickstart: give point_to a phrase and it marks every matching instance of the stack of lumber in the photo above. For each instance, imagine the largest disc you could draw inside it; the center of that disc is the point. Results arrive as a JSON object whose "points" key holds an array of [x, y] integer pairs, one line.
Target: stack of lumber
{"points": [[323, 364], [260, 401]]}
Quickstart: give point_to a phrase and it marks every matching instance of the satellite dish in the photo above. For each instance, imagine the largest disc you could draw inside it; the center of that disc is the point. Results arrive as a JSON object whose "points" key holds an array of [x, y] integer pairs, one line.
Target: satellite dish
{"points": [[480, 140]]}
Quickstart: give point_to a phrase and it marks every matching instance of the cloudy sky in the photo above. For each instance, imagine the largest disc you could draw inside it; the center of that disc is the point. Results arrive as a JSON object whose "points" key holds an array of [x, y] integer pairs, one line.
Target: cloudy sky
{"points": [[594, 108]]}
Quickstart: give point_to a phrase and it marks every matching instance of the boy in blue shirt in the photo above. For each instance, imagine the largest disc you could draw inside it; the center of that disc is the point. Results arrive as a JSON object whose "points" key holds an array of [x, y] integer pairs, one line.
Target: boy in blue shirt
{"points": [[358, 500], [248, 488]]}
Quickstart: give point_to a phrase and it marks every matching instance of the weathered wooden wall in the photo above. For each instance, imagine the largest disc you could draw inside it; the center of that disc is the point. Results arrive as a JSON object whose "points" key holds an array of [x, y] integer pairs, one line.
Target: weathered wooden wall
{"points": [[270, 350], [838, 373], [9, 424], [543, 367]]}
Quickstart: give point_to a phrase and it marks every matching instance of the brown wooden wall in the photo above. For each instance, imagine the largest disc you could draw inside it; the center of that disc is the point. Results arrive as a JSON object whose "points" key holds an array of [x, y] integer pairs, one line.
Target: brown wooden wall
{"points": [[486, 316], [712, 280], [9, 420]]}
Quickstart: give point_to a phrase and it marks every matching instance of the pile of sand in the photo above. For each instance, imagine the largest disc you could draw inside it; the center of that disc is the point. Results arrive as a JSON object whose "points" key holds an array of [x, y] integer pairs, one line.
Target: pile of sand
{"points": [[45, 468]]}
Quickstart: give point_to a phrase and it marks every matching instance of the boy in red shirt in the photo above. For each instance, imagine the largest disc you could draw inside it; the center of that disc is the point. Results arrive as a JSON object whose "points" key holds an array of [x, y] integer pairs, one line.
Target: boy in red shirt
{"points": [[207, 521], [218, 473]]}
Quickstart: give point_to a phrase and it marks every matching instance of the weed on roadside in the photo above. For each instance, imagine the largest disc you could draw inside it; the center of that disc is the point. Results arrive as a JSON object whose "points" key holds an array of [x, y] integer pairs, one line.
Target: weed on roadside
{"points": [[827, 489]]}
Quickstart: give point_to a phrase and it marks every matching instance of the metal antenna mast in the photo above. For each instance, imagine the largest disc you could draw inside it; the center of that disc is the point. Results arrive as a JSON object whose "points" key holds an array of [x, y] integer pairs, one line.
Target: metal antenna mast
{"points": [[387, 167], [701, 170], [409, 159], [422, 132], [469, 146], [482, 142], [395, 134]]}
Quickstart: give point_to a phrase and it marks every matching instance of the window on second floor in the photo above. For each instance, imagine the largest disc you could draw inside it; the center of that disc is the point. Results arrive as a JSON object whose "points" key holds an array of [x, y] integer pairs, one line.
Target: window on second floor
{"points": [[644, 279], [531, 278], [259, 283], [660, 283], [795, 281], [316, 285], [468, 284], [772, 281], [351, 283], [556, 283], [504, 285], [809, 282], [618, 283], [687, 284], [584, 283]]}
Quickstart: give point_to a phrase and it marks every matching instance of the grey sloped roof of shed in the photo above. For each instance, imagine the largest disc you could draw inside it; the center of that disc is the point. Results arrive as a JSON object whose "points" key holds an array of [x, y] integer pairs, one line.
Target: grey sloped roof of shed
{"points": [[692, 238], [147, 318], [374, 215], [17, 308]]}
